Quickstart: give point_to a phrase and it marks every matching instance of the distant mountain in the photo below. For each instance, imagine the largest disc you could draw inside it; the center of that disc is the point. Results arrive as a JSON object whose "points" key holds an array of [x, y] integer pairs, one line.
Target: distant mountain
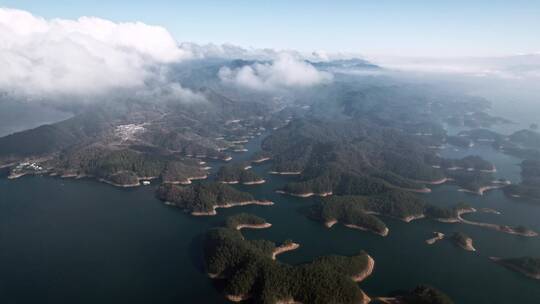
{"points": [[353, 63]]}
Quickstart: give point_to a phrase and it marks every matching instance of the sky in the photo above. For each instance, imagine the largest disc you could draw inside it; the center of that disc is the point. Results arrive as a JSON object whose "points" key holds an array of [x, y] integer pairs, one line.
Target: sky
{"points": [[379, 27]]}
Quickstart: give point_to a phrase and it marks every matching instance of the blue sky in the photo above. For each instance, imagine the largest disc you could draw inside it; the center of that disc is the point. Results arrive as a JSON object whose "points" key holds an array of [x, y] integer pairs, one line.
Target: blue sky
{"points": [[409, 28]]}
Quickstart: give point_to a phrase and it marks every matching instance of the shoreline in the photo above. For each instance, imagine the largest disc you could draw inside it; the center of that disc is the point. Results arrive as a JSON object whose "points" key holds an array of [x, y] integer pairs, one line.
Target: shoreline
{"points": [[383, 233], [230, 205], [435, 182], [500, 228], [467, 246], [139, 179], [492, 170], [284, 248], [489, 210], [411, 218], [237, 298], [388, 300], [285, 172], [260, 160], [366, 272], [240, 298], [481, 190], [304, 195], [253, 226], [420, 190], [331, 223], [257, 182], [119, 185], [16, 175], [406, 219], [187, 181], [234, 182], [438, 236], [500, 261]]}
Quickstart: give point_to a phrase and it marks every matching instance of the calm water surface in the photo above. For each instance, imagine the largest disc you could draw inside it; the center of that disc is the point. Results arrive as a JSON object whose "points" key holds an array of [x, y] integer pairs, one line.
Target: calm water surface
{"points": [[67, 241]]}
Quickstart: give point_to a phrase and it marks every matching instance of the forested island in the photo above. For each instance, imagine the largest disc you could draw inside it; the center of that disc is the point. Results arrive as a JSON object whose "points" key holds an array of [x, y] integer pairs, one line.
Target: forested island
{"points": [[464, 241], [249, 272], [524, 144], [234, 174], [529, 188], [358, 158], [246, 220], [360, 212], [437, 236], [422, 294], [205, 197], [529, 266]]}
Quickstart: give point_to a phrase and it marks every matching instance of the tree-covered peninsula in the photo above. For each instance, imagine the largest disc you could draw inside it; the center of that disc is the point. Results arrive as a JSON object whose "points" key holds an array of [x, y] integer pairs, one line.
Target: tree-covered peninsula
{"points": [[360, 212], [529, 266], [529, 188], [462, 240], [249, 272], [351, 157], [235, 174], [205, 197], [246, 220]]}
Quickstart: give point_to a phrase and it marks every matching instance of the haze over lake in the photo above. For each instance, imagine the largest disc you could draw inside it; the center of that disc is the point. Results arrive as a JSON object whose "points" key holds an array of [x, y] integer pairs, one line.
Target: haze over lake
{"points": [[274, 153]]}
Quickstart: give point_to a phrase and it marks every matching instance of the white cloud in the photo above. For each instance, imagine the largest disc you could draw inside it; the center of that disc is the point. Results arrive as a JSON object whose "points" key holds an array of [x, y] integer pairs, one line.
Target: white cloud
{"points": [[86, 56], [168, 92], [523, 66], [320, 55], [285, 71], [229, 51]]}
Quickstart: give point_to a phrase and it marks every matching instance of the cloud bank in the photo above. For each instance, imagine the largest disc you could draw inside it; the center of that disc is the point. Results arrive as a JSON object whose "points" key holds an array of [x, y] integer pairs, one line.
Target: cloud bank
{"points": [[514, 67], [284, 72], [80, 57]]}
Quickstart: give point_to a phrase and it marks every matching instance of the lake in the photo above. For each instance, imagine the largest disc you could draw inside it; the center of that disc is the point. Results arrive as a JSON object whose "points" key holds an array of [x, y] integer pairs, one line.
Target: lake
{"points": [[81, 241]]}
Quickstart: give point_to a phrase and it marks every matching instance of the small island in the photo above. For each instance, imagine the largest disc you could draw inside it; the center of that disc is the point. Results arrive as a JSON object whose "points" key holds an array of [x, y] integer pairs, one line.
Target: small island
{"points": [[464, 241], [528, 266], [205, 197], [235, 174], [360, 212], [422, 294], [529, 188], [437, 236], [245, 220]]}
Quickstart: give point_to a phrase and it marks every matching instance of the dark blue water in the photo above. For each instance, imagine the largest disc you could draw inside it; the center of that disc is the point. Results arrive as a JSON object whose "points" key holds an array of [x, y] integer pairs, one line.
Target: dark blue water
{"points": [[80, 241]]}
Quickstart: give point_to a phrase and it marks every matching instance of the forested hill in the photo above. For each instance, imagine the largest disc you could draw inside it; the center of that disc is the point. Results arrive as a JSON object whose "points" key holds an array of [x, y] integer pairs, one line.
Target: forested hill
{"points": [[333, 155]]}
